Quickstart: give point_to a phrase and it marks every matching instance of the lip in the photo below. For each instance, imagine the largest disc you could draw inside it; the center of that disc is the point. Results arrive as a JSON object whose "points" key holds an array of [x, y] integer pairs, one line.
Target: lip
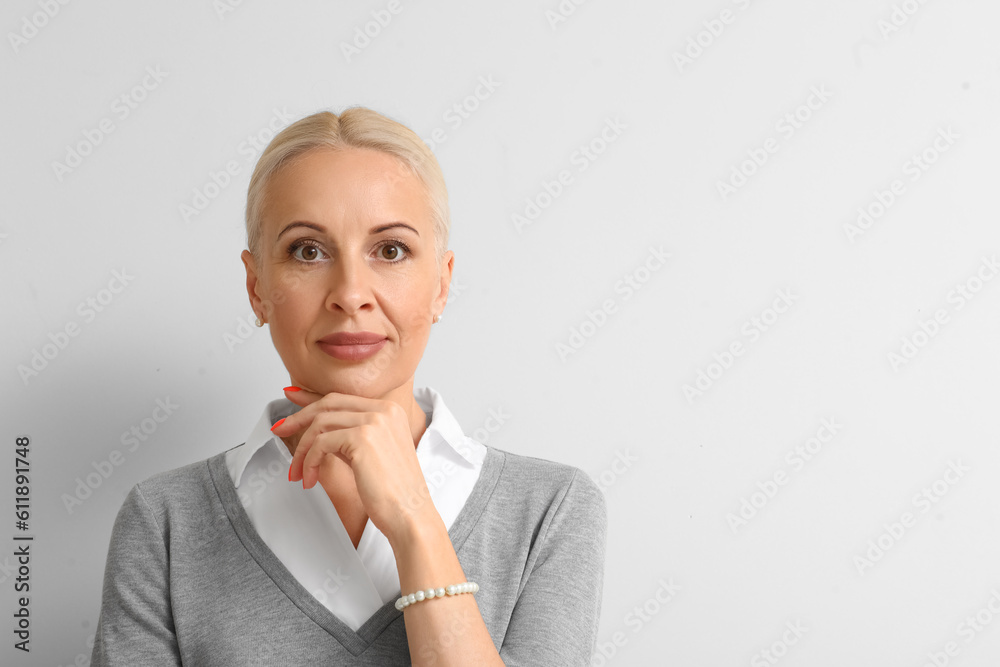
{"points": [[352, 346], [352, 338]]}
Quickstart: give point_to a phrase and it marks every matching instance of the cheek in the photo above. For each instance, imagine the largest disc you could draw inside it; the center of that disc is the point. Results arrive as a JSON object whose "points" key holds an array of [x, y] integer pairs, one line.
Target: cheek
{"points": [[292, 313], [414, 330], [286, 293]]}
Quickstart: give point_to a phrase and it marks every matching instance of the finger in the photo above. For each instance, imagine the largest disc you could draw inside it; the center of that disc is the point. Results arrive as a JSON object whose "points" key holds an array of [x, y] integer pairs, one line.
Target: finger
{"points": [[301, 396], [325, 422], [297, 420], [286, 428], [313, 404], [332, 403], [329, 443], [295, 467]]}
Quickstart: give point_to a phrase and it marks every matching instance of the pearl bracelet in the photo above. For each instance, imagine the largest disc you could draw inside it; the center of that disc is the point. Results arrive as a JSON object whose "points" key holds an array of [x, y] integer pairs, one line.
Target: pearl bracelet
{"points": [[430, 593]]}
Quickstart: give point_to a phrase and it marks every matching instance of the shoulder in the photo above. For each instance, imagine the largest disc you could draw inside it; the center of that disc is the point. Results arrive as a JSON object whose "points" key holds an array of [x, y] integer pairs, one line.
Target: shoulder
{"points": [[548, 485], [170, 494], [547, 510]]}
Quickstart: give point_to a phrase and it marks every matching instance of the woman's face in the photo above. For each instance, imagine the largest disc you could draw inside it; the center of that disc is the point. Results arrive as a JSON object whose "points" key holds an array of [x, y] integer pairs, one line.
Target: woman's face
{"points": [[347, 245]]}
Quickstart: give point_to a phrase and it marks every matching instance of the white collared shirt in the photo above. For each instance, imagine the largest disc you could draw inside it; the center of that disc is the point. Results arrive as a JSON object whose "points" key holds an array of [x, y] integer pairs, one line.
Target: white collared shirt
{"points": [[303, 529]]}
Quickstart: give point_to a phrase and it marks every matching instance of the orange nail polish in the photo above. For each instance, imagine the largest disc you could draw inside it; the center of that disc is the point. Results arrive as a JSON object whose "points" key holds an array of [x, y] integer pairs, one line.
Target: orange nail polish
{"points": [[289, 473], [278, 423], [292, 389]]}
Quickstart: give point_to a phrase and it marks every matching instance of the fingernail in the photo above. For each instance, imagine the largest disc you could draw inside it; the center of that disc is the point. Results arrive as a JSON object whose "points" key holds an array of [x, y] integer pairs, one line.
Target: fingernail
{"points": [[289, 473], [278, 423], [292, 389]]}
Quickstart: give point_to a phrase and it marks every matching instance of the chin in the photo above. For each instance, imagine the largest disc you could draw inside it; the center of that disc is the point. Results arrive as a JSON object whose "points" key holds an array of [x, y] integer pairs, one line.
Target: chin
{"points": [[355, 381]]}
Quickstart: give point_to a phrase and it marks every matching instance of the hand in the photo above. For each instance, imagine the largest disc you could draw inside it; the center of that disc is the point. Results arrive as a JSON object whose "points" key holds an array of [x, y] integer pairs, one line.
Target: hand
{"points": [[373, 437]]}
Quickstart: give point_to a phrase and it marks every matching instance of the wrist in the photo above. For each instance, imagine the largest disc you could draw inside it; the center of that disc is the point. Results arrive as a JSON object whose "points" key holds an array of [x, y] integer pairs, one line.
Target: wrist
{"points": [[417, 529], [425, 556]]}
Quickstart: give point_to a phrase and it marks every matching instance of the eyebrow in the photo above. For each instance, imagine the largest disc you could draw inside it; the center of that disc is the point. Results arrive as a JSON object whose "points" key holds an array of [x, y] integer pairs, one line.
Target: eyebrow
{"points": [[374, 230]]}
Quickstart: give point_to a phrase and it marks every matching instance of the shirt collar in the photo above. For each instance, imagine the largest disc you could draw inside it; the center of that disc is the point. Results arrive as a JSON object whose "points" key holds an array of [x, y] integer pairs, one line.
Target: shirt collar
{"points": [[443, 430]]}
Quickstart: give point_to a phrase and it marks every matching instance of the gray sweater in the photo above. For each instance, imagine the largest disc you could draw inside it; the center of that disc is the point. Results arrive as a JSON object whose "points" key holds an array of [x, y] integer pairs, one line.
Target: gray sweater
{"points": [[188, 580]]}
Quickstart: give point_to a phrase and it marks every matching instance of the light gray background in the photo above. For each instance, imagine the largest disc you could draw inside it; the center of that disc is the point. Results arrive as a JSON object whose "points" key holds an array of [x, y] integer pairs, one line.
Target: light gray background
{"points": [[683, 464]]}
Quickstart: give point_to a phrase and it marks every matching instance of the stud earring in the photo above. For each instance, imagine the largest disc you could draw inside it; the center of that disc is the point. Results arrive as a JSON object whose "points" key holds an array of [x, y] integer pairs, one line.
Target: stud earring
{"points": [[259, 322]]}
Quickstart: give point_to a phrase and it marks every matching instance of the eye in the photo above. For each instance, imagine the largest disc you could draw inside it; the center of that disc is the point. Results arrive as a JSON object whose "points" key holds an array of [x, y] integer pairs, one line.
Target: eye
{"points": [[393, 255], [307, 251], [311, 251]]}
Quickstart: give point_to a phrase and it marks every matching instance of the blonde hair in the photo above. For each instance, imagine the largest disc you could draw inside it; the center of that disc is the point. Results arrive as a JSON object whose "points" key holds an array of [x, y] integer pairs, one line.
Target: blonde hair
{"points": [[356, 127]]}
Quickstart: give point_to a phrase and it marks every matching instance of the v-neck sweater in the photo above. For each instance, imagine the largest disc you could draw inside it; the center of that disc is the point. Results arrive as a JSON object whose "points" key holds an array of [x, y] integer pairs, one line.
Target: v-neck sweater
{"points": [[189, 581]]}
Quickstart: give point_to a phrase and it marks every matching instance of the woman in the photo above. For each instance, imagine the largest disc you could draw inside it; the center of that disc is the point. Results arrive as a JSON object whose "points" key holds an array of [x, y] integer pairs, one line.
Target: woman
{"points": [[387, 504]]}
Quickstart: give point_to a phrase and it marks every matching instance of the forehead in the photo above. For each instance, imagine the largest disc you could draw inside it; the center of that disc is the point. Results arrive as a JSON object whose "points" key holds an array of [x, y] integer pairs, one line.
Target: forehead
{"points": [[355, 182]]}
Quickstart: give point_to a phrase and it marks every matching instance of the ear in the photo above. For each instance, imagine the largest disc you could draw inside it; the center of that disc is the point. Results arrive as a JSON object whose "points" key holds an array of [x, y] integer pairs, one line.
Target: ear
{"points": [[446, 268], [252, 284]]}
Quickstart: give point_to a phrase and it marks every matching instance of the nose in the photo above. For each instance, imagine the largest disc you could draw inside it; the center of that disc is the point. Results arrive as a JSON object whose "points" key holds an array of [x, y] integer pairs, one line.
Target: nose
{"points": [[350, 286]]}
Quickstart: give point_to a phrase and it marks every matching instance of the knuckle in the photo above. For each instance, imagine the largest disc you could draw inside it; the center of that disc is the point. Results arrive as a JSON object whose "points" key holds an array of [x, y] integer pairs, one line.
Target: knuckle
{"points": [[366, 431], [312, 459]]}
